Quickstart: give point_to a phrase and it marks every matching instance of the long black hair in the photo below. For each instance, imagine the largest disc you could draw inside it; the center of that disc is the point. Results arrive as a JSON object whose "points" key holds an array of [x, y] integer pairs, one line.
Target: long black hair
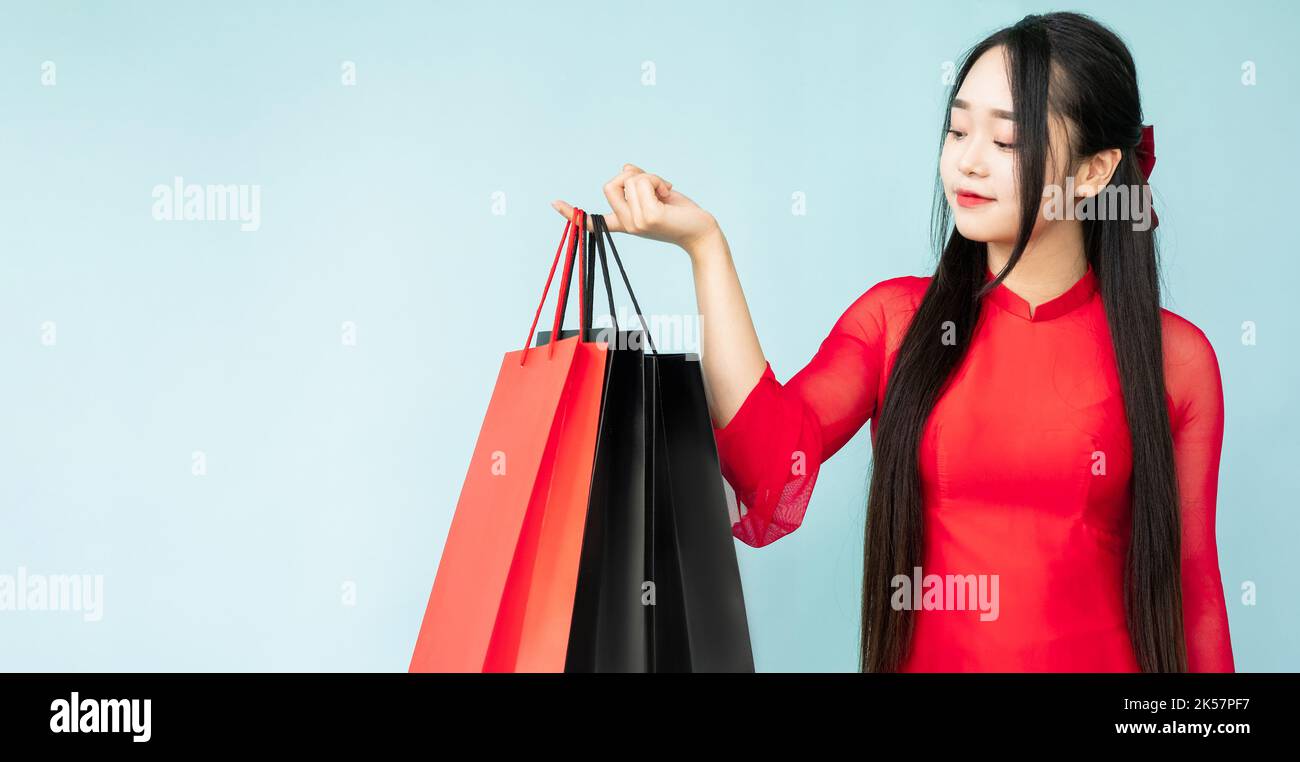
{"points": [[1068, 65]]}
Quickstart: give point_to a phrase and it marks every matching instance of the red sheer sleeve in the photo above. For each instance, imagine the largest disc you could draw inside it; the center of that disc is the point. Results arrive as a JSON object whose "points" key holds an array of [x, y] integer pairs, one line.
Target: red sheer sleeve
{"points": [[772, 449], [1192, 375]]}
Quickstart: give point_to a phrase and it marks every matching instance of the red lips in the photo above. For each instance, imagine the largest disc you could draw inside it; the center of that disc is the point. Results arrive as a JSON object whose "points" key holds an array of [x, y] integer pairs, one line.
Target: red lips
{"points": [[970, 198]]}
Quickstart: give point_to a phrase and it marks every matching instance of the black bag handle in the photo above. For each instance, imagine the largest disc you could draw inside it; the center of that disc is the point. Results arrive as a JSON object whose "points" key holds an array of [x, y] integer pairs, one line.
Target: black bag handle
{"points": [[602, 233], [592, 246]]}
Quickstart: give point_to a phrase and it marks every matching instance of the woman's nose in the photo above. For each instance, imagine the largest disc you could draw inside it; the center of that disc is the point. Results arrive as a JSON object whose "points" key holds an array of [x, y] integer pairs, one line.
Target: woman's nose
{"points": [[972, 160]]}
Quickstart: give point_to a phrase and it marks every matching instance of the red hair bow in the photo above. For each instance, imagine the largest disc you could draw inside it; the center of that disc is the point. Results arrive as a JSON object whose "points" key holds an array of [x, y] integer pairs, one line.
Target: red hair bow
{"points": [[1146, 156]]}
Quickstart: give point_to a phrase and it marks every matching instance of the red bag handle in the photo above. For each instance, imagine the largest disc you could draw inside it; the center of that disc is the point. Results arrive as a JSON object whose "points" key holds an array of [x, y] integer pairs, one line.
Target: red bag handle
{"points": [[577, 226]]}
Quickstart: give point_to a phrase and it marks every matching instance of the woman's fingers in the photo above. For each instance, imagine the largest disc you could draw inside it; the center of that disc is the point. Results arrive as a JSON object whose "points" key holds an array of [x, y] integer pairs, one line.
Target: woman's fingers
{"points": [[644, 194], [631, 203], [566, 211], [652, 191], [662, 186], [616, 196], [632, 190]]}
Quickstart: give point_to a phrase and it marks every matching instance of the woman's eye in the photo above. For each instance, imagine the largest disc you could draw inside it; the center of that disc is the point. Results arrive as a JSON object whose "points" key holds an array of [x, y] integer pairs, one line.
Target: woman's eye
{"points": [[958, 135]]}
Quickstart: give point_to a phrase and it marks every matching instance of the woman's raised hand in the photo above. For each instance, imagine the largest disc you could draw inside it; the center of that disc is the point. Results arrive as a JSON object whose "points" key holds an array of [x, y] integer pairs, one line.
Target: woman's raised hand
{"points": [[646, 205]]}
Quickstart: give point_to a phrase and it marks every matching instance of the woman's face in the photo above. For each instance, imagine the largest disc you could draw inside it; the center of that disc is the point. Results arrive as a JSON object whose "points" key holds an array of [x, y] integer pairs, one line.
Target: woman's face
{"points": [[979, 155]]}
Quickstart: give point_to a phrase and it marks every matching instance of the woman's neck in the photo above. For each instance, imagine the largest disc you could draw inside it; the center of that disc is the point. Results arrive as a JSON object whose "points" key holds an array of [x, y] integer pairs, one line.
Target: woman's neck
{"points": [[1052, 262]]}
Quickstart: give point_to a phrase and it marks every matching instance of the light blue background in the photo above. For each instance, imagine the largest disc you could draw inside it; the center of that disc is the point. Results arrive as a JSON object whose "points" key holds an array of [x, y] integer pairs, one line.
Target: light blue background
{"points": [[330, 463]]}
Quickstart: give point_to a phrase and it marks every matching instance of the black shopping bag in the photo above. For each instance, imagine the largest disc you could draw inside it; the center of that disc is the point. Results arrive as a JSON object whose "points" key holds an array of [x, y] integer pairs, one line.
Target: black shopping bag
{"points": [[659, 588], [699, 619]]}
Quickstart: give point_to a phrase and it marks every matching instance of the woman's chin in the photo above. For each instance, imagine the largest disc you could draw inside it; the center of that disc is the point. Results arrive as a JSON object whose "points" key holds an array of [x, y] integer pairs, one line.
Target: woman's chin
{"points": [[976, 231]]}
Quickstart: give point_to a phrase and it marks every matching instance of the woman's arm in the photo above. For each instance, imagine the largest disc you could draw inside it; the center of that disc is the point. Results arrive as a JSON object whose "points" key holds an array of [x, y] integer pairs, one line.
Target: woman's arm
{"points": [[771, 437], [1192, 372], [731, 356], [646, 205]]}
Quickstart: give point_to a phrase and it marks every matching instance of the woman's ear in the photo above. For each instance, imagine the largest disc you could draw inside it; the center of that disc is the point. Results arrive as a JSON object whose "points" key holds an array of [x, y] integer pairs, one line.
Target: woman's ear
{"points": [[1095, 172]]}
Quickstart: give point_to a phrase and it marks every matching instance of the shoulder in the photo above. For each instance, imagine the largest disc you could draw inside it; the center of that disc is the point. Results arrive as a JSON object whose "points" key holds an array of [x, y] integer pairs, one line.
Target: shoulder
{"points": [[1184, 342], [1191, 366], [886, 301], [879, 317], [902, 291]]}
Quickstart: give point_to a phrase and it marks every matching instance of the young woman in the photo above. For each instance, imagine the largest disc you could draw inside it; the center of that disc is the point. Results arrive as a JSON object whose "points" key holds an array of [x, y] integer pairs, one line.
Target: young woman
{"points": [[1036, 416]]}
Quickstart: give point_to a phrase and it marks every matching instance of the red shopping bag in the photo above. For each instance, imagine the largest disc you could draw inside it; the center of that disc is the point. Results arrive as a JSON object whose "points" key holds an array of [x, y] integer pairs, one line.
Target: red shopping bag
{"points": [[503, 596]]}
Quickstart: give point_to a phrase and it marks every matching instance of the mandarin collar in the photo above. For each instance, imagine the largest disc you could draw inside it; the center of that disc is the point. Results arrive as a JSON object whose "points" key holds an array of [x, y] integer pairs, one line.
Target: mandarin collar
{"points": [[1075, 296]]}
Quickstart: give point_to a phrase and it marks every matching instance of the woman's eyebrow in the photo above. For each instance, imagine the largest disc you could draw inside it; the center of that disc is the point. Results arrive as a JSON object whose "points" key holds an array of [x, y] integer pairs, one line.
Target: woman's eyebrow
{"points": [[999, 113]]}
